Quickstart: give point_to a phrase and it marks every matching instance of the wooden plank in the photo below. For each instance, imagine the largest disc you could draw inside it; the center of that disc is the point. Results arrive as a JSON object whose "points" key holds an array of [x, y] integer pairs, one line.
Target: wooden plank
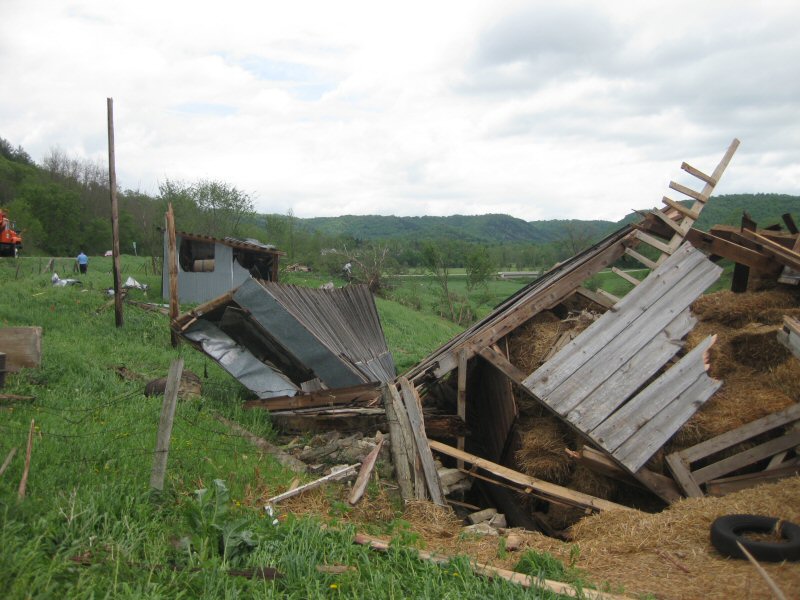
{"points": [[360, 394], [641, 446], [608, 296], [785, 256], [611, 392], [514, 373], [22, 347], [165, 425], [747, 457], [342, 473], [649, 402], [698, 173], [790, 225], [408, 443], [661, 485], [720, 487], [683, 475], [745, 432], [653, 242], [595, 297], [721, 247], [700, 197], [8, 459], [644, 312], [641, 258], [544, 488], [626, 276], [678, 227], [461, 395], [400, 458], [412, 404], [360, 486], [690, 214], [673, 273]]}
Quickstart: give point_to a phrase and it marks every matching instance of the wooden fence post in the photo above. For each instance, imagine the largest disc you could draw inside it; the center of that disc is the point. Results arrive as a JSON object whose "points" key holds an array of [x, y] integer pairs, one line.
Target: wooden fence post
{"points": [[23, 483], [165, 425], [112, 185]]}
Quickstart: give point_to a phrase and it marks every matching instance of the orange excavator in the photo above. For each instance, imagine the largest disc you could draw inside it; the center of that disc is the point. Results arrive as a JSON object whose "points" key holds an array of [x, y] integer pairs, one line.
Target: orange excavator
{"points": [[10, 240]]}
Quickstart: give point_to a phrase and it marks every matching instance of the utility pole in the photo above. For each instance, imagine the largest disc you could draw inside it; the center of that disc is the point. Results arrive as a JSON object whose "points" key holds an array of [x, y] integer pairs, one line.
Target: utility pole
{"points": [[112, 184]]}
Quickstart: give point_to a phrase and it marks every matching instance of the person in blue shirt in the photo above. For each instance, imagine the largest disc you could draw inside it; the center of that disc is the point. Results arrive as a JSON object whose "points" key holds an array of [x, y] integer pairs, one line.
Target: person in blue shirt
{"points": [[83, 262]]}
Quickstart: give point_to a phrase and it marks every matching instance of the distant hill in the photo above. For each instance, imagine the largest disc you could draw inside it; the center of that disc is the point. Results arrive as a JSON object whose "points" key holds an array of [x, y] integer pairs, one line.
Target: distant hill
{"points": [[485, 229], [765, 209]]}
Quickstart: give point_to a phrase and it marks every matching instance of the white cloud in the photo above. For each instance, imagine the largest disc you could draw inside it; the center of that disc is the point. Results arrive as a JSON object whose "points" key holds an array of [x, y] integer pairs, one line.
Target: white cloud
{"points": [[539, 110]]}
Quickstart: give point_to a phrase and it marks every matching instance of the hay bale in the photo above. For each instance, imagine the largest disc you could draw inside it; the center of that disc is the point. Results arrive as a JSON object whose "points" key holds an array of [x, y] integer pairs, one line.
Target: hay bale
{"points": [[758, 348], [736, 310], [541, 453]]}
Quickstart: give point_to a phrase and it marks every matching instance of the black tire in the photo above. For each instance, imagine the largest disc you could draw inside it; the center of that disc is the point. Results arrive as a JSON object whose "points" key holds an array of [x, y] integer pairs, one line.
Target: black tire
{"points": [[728, 530]]}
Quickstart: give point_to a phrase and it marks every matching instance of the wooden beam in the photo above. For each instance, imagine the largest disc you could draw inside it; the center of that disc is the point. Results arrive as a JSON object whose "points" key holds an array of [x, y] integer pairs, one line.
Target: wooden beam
{"points": [[398, 446], [676, 227], [718, 246], [790, 224], [626, 276], [543, 489], [461, 395], [502, 364], [358, 394], [685, 211], [698, 173], [720, 487], [413, 409], [785, 256], [595, 297], [342, 473], [653, 241], [688, 192], [22, 347], [641, 258]]}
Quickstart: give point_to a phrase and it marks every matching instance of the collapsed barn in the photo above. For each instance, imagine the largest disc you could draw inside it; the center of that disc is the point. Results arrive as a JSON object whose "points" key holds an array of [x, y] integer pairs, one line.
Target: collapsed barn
{"points": [[565, 400]]}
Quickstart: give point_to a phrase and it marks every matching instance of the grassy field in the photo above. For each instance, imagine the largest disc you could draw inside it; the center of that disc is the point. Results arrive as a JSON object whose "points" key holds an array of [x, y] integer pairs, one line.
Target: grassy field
{"points": [[89, 527]]}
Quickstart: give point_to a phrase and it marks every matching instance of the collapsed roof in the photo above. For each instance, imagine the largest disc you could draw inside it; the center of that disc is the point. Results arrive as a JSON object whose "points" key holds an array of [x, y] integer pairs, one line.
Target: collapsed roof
{"points": [[279, 340]]}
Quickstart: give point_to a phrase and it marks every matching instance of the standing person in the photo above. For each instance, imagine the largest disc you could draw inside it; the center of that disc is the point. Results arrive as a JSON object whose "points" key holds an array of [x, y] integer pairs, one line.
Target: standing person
{"points": [[83, 262]]}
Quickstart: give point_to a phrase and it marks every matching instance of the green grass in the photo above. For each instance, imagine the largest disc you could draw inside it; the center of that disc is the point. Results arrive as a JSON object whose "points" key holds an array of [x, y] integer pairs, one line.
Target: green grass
{"points": [[88, 496]]}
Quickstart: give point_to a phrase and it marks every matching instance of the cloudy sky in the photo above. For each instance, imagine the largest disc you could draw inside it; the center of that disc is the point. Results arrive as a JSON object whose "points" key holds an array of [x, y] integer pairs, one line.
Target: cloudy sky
{"points": [[536, 109]]}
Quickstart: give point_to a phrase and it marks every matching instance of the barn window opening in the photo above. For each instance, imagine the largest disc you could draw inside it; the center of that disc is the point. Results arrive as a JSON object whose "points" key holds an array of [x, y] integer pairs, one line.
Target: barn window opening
{"points": [[195, 256]]}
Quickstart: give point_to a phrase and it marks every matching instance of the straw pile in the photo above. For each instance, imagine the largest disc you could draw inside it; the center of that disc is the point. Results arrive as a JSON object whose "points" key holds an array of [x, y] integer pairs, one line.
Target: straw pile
{"points": [[541, 453]]}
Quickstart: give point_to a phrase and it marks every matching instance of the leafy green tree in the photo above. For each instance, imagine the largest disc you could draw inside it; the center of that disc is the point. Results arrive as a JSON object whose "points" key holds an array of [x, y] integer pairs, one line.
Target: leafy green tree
{"points": [[479, 267]]}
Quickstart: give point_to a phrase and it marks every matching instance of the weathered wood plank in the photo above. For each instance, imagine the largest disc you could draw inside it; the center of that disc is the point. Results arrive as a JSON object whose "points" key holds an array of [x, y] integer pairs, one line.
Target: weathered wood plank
{"points": [[683, 475], [654, 242], [342, 473], [745, 432], [720, 487], [405, 442], [699, 196], [360, 486], [595, 297], [165, 425], [611, 392], [461, 394], [718, 246], [673, 225], [619, 334], [514, 373], [22, 347], [641, 258], [626, 276], [685, 211], [412, 404], [747, 457], [698, 173], [649, 402], [543, 488], [638, 449]]}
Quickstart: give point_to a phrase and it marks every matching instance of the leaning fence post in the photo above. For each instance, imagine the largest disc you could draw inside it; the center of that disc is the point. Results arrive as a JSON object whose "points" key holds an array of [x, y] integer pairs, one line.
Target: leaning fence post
{"points": [[165, 425]]}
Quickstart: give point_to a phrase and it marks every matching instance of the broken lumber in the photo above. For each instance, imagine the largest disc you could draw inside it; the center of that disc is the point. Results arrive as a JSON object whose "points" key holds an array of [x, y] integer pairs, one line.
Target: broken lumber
{"points": [[526, 581], [22, 347], [538, 487], [362, 480], [343, 473], [8, 398], [8, 459], [287, 460]]}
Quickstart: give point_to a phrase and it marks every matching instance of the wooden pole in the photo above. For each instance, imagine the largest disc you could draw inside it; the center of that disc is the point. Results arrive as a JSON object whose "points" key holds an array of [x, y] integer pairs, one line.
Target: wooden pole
{"points": [[112, 185], [23, 483], [165, 425], [172, 255], [461, 398]]}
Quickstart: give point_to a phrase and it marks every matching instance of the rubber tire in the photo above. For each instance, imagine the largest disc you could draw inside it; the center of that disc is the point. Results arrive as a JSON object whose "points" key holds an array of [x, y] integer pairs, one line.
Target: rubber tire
{"points": [[727, 530]]}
